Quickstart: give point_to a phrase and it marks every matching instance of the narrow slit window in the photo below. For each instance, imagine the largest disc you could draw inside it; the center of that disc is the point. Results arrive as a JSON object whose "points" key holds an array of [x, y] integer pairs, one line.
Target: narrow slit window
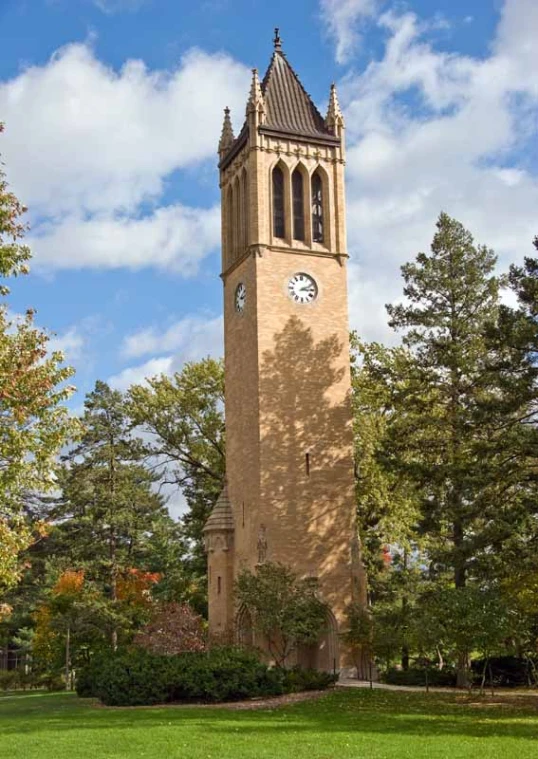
{"points": [[307, 464], [298, 205], [278, 203], [317, 208], [219, 585]]}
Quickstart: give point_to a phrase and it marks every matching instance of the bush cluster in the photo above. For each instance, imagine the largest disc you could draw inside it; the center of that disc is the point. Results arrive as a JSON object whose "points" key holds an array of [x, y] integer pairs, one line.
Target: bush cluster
{"points": [[506, 671], [296, 680], [18, 679], [441, 678], [137, 677], [501, 671]]}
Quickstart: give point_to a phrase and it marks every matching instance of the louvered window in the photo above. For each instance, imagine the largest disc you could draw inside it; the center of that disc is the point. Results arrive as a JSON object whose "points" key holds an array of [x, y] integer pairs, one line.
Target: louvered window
{"points": [[317, 208], [278, 203], [298, 205]]}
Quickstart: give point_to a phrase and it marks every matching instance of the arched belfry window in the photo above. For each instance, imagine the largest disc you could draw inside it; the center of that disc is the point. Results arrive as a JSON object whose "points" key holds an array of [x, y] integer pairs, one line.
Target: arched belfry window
{"points": [[244, 210], [230, 237], [237, 218], [278, 203], [297, 191], [317, 208]]}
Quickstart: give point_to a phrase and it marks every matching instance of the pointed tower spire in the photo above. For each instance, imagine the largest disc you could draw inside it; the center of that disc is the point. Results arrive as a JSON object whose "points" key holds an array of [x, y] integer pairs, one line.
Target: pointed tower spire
{"points": [[334, 118], [256, 101], [227, 134], [256, 95]]}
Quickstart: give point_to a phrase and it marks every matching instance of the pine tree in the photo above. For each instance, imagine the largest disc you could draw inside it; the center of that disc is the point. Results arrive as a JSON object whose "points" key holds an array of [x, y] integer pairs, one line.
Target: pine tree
{"points": [[388, 501], [511, 412], [451, 295], [109, 508]]}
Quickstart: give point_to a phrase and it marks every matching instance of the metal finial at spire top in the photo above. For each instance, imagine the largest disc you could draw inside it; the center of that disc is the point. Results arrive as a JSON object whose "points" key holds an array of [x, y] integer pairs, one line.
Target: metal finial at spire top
{"points": [[277, 41]]}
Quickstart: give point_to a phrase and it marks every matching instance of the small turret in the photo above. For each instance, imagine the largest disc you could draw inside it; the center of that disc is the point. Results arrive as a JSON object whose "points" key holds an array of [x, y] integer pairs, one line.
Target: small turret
{"points": [[219, 543], [255, 99], [227, 135], [255, 107], [334, 119]]}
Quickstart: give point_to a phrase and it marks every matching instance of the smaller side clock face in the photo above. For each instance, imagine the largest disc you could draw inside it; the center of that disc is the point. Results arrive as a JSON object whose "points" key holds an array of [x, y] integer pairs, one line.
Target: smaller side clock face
{"points": [[302, 288], [240, 297]]}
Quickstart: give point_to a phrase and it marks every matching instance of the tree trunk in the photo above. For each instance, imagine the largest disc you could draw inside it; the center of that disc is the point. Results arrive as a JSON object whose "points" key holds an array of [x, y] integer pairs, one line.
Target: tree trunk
{"points": [[462, 669], [68, 658], [460, 578], [114, 586], [405, 610]]}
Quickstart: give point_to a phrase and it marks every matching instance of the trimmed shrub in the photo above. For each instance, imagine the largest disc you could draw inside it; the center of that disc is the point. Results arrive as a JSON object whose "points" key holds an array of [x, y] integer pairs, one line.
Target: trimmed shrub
{"points": [[9, 679], [87, 675], [506, 671], [17, 679], [296, 680], [441, 678], [137, 677]]}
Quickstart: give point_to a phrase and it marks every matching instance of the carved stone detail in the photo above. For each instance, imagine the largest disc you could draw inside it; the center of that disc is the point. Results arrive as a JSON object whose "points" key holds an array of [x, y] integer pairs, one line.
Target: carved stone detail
{"points": [[262, 544]]}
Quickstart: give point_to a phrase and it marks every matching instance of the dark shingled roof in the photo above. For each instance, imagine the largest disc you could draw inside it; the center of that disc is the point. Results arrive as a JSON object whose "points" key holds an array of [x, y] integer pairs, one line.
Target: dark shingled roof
{"points": [[289, 107], [221, 517]]}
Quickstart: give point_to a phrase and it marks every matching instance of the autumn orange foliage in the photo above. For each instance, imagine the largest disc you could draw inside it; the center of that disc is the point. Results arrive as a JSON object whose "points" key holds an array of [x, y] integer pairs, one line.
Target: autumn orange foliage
{"points": [[70, 582], [135, 586]]}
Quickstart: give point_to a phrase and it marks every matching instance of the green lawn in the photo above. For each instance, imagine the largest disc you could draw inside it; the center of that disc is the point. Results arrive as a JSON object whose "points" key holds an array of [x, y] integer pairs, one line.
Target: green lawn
{"points": [[341, 725]]}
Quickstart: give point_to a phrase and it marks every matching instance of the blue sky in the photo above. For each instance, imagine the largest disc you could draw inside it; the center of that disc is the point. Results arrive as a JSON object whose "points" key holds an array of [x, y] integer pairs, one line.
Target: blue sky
{"points": [[113, 110]]}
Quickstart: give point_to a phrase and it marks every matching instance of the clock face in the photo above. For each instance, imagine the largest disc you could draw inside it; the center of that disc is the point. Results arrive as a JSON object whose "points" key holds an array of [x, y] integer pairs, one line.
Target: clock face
{"points": [[302, 288], [240, 297]]}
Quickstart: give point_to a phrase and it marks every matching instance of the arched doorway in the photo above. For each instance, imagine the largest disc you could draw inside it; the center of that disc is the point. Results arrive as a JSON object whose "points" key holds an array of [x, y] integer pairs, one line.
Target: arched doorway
{"points": [[244, 631], [325, 654]]}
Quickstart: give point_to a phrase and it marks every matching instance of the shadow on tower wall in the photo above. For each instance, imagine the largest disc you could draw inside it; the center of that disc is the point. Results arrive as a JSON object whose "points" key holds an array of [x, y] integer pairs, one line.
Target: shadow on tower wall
{"points": [[307, 481]]}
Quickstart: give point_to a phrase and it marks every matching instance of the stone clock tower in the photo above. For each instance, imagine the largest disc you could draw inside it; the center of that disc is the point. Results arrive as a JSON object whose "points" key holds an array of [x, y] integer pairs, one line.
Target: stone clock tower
{"points": [[289, 495]]}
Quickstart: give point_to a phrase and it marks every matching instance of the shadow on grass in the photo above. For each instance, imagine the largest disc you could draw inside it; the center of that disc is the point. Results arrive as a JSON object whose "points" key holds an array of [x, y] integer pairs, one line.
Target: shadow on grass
{"points": [[340, 712]]}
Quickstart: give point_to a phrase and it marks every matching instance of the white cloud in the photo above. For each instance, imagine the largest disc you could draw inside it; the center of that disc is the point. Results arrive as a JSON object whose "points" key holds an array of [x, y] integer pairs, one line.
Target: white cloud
{"points": [[174, 237], [116, 6], [81, 136], [89, 150], [134, 375], [189, 339], [460, 147], [176, 502], [343, 18], [192, 337], [70, 343]]}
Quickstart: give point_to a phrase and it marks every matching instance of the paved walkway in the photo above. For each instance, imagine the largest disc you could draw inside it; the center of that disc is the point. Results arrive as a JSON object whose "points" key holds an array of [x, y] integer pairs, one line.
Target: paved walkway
{"points": [[349, 683]]}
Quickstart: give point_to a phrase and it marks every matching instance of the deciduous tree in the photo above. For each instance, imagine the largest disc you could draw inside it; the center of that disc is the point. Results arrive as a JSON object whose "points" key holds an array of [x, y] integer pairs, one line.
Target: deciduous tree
{"points": [[182, 418], [34, 423], [284, 609]]}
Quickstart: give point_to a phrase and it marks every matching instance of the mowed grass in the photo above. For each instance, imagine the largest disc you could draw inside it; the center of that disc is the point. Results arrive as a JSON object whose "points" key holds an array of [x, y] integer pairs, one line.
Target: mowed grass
{"points": [[344, 724]]}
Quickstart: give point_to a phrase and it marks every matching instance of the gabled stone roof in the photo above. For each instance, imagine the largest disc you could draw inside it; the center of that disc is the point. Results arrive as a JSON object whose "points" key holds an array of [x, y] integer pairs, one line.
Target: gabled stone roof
{"points": [[289, 108], [221, 518]]}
